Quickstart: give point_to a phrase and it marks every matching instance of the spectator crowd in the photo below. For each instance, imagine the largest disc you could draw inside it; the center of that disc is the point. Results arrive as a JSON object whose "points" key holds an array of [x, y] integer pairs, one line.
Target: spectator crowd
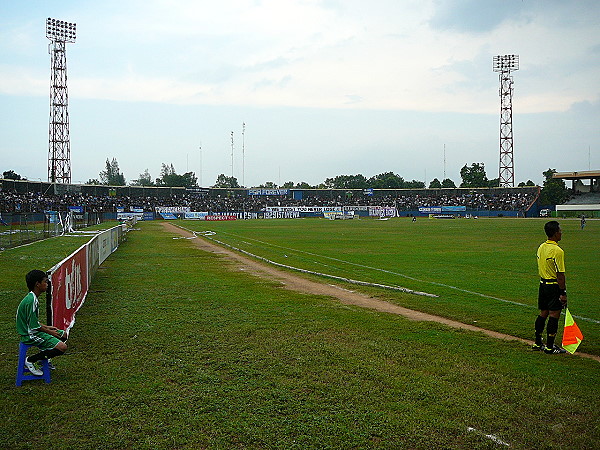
{"points": [[34, 202]]}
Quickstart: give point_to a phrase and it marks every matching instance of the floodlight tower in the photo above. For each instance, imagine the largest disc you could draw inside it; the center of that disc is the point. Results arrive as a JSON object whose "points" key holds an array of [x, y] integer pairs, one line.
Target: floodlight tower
{"points": [[59, 153], [232, 155], [505, 64], [243, 151]]}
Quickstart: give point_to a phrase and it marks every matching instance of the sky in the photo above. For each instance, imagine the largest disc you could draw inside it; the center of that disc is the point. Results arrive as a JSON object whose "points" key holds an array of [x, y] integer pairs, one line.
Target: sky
{"points": [[324, 87]]}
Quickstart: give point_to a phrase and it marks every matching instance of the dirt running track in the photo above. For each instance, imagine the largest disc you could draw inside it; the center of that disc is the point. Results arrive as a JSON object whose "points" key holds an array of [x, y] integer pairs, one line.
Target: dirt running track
{"points": [[300, 284]]}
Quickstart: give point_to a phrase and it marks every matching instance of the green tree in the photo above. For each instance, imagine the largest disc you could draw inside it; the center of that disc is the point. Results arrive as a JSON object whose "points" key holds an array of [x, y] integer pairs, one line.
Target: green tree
{"points": [[226, 182], [494, 183], [11, 175], [168, 177], [303, 185], [93, 181], [414, 184], [448, 183], [112, 176], [144, 180], [529, 183], [346, 182], [268, 185], [386, 180], [474, 176], [288, 185], [554, 191], [435, 184]]}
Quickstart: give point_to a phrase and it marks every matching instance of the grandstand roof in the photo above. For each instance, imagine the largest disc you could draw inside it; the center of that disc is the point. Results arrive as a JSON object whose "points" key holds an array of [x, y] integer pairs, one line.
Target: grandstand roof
{"points": [[583, 175]]}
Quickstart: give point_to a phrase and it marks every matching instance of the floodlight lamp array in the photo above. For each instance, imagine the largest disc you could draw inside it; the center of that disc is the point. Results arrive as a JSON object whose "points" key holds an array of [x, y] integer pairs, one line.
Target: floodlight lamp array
{"points": [[506, 63], [59, 30]]}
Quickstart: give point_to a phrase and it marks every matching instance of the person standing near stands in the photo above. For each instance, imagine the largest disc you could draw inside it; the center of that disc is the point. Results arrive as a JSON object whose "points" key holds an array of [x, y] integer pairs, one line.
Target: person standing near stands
{"points": [[552, 295]]}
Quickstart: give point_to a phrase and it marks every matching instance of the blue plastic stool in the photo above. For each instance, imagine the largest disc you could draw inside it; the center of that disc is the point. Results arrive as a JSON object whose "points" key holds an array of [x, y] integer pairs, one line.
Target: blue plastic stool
{"points": [[23, 374]]}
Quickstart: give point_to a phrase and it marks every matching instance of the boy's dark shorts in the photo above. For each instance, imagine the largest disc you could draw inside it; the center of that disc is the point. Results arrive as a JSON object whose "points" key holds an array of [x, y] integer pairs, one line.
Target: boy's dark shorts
{"points": [[549, 297]]}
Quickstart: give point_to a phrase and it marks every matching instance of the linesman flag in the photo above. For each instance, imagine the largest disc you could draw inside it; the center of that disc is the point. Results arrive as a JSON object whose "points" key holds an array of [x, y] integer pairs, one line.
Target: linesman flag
{"points": [[572, 336]]}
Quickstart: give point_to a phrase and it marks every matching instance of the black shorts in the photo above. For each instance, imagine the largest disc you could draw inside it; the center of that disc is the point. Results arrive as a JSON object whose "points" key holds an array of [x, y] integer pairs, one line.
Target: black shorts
{"points": [[549, 297]]}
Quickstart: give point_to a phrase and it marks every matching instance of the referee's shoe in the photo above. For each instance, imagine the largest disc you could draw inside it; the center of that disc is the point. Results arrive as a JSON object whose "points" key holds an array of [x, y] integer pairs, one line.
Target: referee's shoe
{"points": [[555, 350], [537, 347]]}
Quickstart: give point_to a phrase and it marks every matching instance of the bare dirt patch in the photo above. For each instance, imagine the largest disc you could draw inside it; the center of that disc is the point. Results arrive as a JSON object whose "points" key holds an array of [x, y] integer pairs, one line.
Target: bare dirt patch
{"points": [[346, 296]]}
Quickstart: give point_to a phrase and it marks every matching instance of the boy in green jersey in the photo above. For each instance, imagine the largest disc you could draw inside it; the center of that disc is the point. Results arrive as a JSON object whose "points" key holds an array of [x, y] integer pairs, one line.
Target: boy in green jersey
{"points": [[50, 340]]}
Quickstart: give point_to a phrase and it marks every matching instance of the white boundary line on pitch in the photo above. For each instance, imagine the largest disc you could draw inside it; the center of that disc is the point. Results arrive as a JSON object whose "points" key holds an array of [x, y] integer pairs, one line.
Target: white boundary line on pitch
{"points": [[208, 234], [491, 437], [435, 283]]}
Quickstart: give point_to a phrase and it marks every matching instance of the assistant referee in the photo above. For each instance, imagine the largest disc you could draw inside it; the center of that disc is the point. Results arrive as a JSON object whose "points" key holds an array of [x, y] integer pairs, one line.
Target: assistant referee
{"points": [[552, 296]]}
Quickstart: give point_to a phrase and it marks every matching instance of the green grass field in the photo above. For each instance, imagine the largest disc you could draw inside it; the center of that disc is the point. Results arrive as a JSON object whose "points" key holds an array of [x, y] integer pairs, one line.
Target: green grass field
{"points": [[172, 350], [484, 271]]}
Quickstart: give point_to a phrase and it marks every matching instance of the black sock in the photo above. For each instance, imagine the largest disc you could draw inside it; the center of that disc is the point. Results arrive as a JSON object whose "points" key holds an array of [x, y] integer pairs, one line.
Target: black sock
{"points": [[540, 324], [46, 354], [552, 329]]}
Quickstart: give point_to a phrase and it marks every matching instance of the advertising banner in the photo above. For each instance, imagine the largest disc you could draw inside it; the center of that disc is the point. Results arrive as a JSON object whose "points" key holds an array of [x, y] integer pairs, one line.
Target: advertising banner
{"points": [[104, 246], [382, 211], [219, 218], [281, 215], [69, 288], [453, 208], [93, 257], [115, 233], [302, 209], [173, 209], [268, 191], [52, 216], [130, 216], [195, 215]]}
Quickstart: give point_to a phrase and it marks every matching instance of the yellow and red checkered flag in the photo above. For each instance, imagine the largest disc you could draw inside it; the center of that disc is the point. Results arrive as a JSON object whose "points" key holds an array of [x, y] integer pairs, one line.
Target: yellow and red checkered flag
{"points": [[572, 336]]}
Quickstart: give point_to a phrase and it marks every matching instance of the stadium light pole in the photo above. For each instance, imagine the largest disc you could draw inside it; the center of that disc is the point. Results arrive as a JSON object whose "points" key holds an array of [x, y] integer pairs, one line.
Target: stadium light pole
{"points": [[59, 33], [243, 153], [200, 165], [505, 64], [232, 156]]}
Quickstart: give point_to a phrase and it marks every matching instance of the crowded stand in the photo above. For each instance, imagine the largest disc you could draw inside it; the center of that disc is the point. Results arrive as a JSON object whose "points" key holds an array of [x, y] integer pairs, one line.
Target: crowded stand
{"points": [[223, 200]]}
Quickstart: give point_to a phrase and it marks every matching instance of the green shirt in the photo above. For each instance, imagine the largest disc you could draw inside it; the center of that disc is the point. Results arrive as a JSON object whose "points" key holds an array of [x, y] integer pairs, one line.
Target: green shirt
{"points": [[28, 322]]}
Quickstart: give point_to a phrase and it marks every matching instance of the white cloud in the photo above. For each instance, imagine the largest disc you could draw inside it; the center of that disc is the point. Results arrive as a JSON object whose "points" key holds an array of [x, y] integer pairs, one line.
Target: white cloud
{"points": [[309, 53], [382, 62]]}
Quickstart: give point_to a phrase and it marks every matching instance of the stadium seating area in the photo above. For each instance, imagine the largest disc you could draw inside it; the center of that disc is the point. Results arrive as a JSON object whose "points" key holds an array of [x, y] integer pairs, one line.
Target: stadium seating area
{"points": [[590, 198], [11, 201]]}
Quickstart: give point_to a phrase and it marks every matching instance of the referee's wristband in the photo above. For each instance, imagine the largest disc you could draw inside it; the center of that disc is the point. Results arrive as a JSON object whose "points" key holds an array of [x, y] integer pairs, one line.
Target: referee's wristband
{"points": [[563, 292]]}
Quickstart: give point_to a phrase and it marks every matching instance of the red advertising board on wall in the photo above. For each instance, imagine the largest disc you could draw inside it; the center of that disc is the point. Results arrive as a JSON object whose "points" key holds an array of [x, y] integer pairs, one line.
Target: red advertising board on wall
{"points": [[218, 218], [69, 288]]}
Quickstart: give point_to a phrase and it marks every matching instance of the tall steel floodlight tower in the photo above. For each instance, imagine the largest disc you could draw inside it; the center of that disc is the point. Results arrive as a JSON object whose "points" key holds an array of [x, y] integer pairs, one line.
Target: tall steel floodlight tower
{"points": [[505, 64], [59, 153]]}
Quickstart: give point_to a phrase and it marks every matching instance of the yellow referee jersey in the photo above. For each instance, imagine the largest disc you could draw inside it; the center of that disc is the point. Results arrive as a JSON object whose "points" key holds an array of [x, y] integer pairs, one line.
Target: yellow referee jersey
{"points": [[550, 259]]}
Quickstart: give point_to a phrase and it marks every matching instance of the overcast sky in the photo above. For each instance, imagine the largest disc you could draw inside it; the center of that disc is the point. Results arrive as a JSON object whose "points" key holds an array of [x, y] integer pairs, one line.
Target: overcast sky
{"points": [[325, 88]]}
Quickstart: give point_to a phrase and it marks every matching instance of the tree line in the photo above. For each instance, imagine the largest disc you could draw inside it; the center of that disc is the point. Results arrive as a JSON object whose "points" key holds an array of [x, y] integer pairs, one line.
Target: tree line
{"points": [[473, 176], [554, 191]]}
